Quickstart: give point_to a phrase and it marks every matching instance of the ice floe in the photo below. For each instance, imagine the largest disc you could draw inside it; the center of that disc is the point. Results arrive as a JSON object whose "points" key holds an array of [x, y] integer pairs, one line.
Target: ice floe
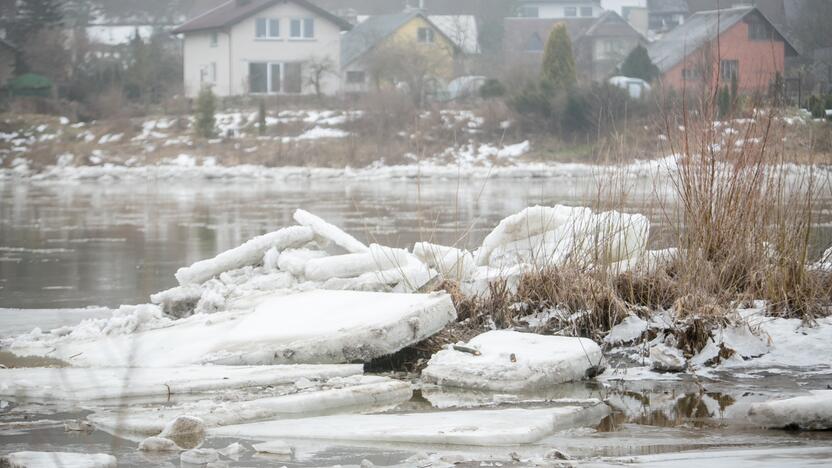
{"points": [[284, 328], [302, 398], [809, 412], [154, 384], [509, 361], [478, 427], [58, 460]]}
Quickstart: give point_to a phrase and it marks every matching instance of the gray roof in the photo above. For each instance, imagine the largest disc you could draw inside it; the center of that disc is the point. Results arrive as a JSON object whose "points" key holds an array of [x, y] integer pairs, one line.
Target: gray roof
{"points": [[667, 6], [695, 32], [366, 34], [234, 11]]}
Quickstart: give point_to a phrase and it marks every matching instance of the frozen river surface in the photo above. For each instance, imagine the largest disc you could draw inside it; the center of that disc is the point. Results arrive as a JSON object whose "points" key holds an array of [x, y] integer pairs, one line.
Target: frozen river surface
{"points": [[72, 245]]}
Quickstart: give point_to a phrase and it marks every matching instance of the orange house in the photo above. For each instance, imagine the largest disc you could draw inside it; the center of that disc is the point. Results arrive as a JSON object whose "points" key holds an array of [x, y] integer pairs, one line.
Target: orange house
{"points": [[713, 47]]}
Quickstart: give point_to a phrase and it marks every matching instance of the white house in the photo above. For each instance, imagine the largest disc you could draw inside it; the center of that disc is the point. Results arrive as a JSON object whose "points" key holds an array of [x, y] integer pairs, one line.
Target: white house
{"points": [[559, 8], [262, 47]]}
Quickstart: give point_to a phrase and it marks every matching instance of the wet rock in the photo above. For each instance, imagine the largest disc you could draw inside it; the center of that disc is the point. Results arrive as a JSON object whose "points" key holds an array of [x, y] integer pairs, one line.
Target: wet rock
{"points": [[158, 444], [199, 456], [667, 359], [810, 412], [186, 431], [556, 454]]}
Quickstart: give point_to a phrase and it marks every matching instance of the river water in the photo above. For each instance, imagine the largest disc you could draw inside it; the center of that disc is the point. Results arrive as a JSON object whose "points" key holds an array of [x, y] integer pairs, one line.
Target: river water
{"points": [[72, 245]]}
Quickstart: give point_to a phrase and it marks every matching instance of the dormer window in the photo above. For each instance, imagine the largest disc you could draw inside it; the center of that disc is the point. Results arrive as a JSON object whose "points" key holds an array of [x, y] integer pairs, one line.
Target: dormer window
{"points": [[570, 11], [267, 28], [586, 11], [425, 35]]}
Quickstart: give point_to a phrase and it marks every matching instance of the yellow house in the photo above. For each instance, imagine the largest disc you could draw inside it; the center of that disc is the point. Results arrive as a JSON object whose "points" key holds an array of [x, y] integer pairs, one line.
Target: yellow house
{"points": [[394, 50]]}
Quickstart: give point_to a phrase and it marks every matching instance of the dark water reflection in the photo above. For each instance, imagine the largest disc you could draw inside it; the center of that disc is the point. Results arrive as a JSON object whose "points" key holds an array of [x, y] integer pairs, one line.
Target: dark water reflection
{"points": [[78, 244]]}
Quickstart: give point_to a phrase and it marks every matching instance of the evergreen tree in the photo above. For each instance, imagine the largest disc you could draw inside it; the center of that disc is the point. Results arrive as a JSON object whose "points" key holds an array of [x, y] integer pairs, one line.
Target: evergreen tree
{"points": [[33, 16], [639, 65], [205, 109], [139, 69], [261, 117], [558, 60]]}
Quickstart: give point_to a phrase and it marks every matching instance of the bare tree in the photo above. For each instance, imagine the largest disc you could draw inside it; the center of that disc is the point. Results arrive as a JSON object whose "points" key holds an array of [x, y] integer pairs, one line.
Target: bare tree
{"points": [[417, 67], [319, 69]]}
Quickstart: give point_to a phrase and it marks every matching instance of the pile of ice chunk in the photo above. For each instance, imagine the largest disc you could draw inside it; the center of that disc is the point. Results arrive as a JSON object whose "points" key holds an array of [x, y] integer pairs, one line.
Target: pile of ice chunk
{"points": [[312, 255], [318, 255]]}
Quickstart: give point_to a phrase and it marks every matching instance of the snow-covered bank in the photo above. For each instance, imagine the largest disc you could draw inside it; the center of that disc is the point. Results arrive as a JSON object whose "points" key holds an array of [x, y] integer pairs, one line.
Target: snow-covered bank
{"points": [[180, 169]]}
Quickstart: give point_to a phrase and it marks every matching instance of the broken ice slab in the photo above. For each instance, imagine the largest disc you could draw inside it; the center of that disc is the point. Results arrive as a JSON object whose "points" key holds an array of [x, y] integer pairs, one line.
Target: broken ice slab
{"points": [[809, 412], [480, 427], [154, 384], [58, 459], [330, 232], [314, 327], [357, 393], [572, 393], [510, 361], [250, 253]]}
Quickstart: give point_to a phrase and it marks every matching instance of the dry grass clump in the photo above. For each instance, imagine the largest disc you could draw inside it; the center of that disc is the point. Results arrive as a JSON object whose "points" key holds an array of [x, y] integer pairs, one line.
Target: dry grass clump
{"points": [[742, 221]]}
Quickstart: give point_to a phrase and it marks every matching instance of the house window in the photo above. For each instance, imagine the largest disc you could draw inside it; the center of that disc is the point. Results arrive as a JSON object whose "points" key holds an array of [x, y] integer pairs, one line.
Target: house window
{"points": [[302, 28], [570, 11], [208, 73], [728, 69], [535, 43], [528, 12], [355, 77], [215, 38], [258, 78], [691, 74], [586, 11], [425, 35], [293, 77], [626, 12], [275, 77], [267, 28]]}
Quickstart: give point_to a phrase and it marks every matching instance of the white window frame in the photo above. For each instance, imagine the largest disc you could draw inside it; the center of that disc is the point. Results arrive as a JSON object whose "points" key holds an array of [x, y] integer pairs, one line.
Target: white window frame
{"points": [[269, 67], [214, 40], [430, 35], [304, 35], [570, 12], [270, 34]]}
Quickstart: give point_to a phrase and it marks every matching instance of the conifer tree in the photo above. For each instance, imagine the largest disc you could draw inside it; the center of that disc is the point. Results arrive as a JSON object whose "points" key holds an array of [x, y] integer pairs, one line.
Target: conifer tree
{"points": [[558, 60], [638, 65], [205, 109]]}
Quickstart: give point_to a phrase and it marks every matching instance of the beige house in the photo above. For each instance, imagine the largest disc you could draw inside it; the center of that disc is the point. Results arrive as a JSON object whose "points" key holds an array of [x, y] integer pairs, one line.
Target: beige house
{"points": [[262, 47]]}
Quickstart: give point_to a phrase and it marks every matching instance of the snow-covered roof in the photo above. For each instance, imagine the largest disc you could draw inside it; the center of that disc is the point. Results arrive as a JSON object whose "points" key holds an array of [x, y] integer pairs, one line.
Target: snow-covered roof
{"points": [[461, 29], [234, 11]]}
